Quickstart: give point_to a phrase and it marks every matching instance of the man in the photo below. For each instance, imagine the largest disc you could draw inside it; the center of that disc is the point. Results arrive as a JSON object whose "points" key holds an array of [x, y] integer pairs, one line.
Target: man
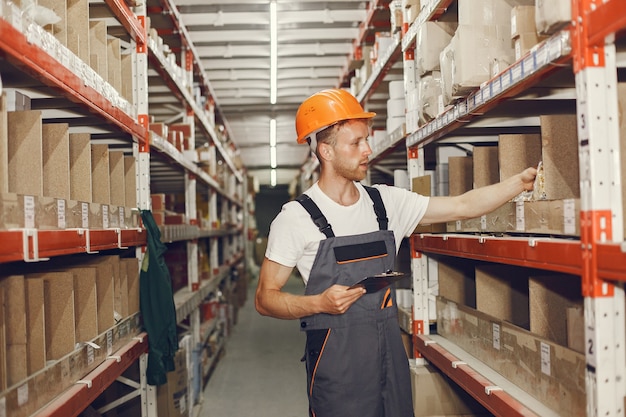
{"points": [[355, 360]]}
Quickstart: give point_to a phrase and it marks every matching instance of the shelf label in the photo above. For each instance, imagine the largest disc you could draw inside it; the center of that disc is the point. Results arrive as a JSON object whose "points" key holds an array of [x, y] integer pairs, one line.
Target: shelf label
{"points": [[109, 342], [22, 395], [569, 216], [483, 222], [496, 336], [29, 211], [61, 224], [545, 358], [520, 222], [85, 215], [458, 225], [122, 217], [105, 216], [91, 355]]}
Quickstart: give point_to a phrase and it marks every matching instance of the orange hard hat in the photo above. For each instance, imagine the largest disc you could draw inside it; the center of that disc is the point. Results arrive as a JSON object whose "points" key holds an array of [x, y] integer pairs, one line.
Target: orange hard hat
{"points": [[325, 108]]}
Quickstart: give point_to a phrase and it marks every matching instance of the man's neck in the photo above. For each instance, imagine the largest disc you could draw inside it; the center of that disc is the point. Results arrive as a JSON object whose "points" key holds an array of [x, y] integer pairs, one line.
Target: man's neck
{"points": [[341, 191]]}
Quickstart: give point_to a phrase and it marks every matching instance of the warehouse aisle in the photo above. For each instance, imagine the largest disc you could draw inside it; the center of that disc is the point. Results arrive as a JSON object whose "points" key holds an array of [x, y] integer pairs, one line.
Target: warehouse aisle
{"points": [[261, 374]]}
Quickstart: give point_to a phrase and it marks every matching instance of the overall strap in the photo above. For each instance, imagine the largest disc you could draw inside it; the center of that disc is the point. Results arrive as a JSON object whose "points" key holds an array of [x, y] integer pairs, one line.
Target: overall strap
{"points": [[379, 207], [317, 216]]}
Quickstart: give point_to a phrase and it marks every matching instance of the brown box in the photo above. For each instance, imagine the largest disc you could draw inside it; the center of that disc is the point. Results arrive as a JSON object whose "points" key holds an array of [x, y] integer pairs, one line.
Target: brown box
{"points": [[105, 291], [98, 47], [553, 374], [158, 202], [559, 140], [35, 324], [78, 31], [421, 185], [457, 281], [130, 182], [435, 394], [550, 296], [116, 178], [518, 152], [85, 303], [24, 151], [576, 329], [127, 77], [502, 292], [160, 129], [554, 217], [114, 64], [485, 166], [59, 313], [56, 160], [59, 29], [14, 305], [131, 265], [171, 394], [3, 356], [4, 146], [460, 174], [80, 167], [522, 20], [100, 181], [499, 220]]}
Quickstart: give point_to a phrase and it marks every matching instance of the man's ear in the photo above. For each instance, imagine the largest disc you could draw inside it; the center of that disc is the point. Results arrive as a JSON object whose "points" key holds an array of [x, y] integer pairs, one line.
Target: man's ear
{"points": [[324, 150]]}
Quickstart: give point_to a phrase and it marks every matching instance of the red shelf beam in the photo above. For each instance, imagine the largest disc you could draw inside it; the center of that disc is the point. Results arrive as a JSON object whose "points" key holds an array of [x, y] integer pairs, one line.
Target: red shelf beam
{"points": [[497, 401], [52, 243], [558, 255], [611, 261], [73, 401], [42, 66], [606, 19], [128, 19]]}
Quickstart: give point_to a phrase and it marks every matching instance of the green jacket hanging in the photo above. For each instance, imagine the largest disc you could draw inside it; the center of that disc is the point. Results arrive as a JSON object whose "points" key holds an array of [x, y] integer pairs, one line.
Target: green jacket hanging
{"points": [[157, 305]]}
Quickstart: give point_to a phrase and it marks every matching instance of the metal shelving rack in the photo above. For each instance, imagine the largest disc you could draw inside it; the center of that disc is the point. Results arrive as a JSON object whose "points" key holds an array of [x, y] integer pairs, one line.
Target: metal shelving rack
{"points": [[28, 49], [598, 257]]}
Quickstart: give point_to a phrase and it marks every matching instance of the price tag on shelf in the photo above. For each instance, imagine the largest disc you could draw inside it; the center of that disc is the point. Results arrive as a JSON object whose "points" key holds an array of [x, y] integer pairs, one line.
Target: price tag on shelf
{"points": [[496, 336], [22, 395], [85, 215], [61, 223], [520, 221], [105, 216], [91, 355], [121, 217], [459, 225], [483, 222], [109, 342], [545, 358], [29, 212], [569, 216]]}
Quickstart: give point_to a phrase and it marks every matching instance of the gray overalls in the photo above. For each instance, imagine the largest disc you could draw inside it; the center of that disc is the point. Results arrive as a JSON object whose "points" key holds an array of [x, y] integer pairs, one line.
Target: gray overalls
{"points": [[356, 362]]}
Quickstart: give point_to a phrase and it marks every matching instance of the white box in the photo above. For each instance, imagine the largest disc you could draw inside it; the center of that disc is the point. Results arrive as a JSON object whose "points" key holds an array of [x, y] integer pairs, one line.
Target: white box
{"points": [[431, 39], [552, 15], [484, 12]]}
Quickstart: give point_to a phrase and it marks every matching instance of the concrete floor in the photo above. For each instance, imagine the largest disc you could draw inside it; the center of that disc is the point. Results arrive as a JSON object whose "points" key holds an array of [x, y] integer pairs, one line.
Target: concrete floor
{"points": [[260, 374]]}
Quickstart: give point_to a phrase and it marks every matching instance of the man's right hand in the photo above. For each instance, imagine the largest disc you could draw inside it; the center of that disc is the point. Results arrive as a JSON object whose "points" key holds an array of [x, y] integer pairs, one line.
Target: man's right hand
{"points": [[337, 299]]}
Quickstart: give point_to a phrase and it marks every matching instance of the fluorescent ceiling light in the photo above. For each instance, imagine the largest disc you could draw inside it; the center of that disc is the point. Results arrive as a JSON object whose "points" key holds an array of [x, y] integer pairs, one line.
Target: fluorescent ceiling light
{"points": [[273, 156], [272, 132], [273, 51], [273, 178]]}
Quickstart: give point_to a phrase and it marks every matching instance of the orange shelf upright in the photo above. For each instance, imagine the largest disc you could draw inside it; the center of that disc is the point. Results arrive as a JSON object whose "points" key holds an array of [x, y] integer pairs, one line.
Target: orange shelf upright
{"points": [[559, 255], [39, 64]]}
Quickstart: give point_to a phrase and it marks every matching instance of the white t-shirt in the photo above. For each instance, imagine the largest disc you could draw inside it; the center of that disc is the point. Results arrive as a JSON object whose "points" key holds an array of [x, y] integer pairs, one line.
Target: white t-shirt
{"points": [[294, 238]]}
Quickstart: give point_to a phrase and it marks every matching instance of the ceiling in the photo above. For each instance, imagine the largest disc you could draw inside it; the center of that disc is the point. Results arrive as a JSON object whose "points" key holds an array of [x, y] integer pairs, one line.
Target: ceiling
{"points": [[315, 45]]}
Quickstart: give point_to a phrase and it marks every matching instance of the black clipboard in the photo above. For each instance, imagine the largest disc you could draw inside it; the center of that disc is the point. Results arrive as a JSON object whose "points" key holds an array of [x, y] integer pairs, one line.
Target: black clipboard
{"points": [[377, 282]]}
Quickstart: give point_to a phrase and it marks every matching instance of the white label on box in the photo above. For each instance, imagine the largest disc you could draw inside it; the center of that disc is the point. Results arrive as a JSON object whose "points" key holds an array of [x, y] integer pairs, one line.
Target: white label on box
{"points": [[545, 358], [85, 215], [61, 214], [520, 222], [569, 216], [496, 336], [458, 225], [121, 214], [105, 216], [483, 222], [29, 212], [109, 342], [22, 395]]}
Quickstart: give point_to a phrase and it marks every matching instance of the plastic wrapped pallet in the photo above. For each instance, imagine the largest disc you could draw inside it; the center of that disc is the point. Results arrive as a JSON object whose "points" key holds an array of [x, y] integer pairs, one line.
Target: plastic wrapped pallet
{"points": [[431, 39], [552, 15], [484, 12], [467, 61]]}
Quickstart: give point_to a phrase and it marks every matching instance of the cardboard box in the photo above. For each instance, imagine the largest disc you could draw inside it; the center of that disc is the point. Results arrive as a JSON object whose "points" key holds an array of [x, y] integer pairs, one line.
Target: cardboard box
{"points": [[24, 152], [484, 12], [116, 178], [85, 303], [553, 374], [3, 356], [421, 185], [522, 20], [431, 39], [485, 166], [114, 64], [80, 167], [59, 313], [576, 329], [559, 138], [59, 29], [172, 397], [516, 152], [78, 31], [13, 298], [4, 146], [35, 324], [552, 15], [131, 266], [550, 298], [435, 394], [98, 47], [460, 174], [552, 217], [56, 160], [457, 281], [502, 292], [100, 180]]}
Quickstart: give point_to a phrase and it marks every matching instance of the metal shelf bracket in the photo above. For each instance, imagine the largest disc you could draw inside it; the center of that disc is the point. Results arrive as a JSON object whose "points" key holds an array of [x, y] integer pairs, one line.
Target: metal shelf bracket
{"points": [[491, 388], [27, 236]]}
